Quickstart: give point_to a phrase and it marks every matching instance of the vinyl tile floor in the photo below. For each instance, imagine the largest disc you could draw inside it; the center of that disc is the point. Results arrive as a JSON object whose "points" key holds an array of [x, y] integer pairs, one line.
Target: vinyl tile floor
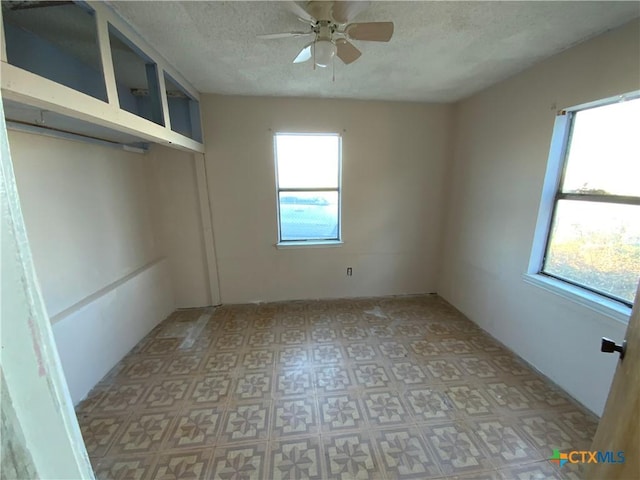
{"points": [[376, 388]]}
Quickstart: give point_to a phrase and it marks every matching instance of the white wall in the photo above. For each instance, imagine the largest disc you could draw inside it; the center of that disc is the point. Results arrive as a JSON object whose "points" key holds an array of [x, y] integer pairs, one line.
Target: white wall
{"points": [[87, 212], [97, 334], [501, 145], [176, 214], [394, 159]]}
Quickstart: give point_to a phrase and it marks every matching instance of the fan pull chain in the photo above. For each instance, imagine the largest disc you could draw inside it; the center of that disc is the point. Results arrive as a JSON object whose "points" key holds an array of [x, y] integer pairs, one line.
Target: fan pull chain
{"points": [[333, 68]]}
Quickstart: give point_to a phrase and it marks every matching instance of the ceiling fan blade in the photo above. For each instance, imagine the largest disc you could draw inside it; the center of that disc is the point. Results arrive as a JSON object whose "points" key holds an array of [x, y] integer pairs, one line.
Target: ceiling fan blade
{"points": [[345, 11], [347, 52], [304, 55], [269, 36], [372, 32], [300, 12]]}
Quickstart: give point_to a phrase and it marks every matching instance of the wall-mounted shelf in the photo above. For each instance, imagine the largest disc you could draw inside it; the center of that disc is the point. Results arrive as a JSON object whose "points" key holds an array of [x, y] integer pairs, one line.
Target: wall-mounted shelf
{"points": [[81, 61]]}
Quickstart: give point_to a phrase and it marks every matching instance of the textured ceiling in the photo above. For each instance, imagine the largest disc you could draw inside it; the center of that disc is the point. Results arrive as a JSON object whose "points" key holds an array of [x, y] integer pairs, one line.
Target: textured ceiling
{"points": [[440, 51]]}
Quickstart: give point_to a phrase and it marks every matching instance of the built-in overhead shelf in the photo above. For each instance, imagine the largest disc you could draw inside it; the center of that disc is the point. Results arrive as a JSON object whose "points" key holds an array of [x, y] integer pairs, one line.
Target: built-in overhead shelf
{"points": [[78, 68]]}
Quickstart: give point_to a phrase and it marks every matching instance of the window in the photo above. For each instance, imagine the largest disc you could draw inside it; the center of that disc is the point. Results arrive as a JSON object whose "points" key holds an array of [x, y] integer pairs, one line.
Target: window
{"points": [[592, 227], [308, 184]]}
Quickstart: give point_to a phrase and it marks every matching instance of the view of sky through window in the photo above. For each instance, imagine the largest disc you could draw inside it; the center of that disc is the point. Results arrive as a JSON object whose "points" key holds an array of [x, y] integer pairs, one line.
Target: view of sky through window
{"points": [[308, 180], [597, 243]]}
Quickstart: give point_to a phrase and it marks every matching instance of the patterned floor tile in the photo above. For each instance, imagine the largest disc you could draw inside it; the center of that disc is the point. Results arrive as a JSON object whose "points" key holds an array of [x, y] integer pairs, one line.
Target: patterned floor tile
{"points": [[428, 404], [510, 397], [340, 412], [138, 467], [184, 465], [405, 455], [142, 368], [162, 346], [408, 373], [294, 417], [144, 432], [350, 456], [221, 362], [546, 434], [122, 397], [257, 359], [534, 471], [381, 331], [384, 408], [443, 370], [582, 426], [293, 336], [293, 357], [245, 462], [262, 339], [469, 400], [236, 324], [425, 348], [396, 387], [246, 422], [253, 385], [353, 333], [371, 375], [296, 459], [477, 367], [546, 395], [504, 442], [214, 388], [455, 449], [99, 431], [183, 365], [294, 382], [510, 364], [197, 427], [360, 352], [393, 350], [323, 334], [327, 354], [166, 393], [455, 346], [332, 379], [228, 341], [293, 320]]}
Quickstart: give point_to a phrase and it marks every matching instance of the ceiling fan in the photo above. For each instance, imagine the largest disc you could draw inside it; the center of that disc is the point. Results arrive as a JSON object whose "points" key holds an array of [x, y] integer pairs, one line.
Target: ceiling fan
{"points": [[330, 27]]}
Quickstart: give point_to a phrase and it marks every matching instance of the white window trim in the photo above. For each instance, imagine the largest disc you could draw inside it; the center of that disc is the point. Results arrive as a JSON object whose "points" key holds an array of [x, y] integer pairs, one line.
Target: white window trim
{"points": [[314, 243], [591, 300], [555, 164], [309, 244]]}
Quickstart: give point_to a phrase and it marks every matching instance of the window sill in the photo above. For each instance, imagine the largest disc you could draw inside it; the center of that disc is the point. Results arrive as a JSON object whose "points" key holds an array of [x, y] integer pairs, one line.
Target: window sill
{"points": [[612, 309], [310, 244]]}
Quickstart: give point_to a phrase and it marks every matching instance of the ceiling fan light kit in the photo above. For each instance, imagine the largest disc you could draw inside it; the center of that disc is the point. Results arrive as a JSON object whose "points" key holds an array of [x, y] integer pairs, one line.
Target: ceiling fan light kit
{"points": [[324, 51], [332, 32]]}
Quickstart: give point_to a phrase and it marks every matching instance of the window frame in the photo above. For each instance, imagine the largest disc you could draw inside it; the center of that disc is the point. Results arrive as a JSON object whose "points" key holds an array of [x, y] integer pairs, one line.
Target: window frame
{"points": [[602, 302], [309, 242]]}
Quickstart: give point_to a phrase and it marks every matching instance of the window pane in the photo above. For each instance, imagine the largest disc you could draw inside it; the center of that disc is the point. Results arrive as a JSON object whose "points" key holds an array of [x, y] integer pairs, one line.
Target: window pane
{"points": [[596, 245], [604, 153], [308, 161], [308, 215]]}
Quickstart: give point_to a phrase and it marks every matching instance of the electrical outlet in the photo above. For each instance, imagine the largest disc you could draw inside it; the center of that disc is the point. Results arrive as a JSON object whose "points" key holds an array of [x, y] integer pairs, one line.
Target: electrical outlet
{"points": [[349, 271]]}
